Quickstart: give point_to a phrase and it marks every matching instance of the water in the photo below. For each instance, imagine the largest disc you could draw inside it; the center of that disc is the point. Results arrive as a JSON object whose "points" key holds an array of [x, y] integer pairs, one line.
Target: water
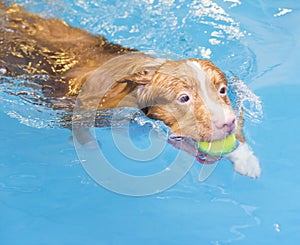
{"points": [[46, 197]]}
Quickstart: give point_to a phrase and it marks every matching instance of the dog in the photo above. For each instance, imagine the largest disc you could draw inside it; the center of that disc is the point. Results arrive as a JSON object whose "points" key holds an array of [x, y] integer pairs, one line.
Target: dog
{"points": [[190, 95]]}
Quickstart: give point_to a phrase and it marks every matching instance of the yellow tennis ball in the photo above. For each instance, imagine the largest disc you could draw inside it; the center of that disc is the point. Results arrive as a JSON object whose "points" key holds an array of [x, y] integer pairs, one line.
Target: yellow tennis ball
{"points": [[218, 147]]}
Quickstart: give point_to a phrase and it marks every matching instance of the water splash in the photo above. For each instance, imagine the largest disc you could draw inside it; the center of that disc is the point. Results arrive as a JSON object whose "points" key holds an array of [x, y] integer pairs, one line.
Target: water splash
{"points": [[244, 100]]}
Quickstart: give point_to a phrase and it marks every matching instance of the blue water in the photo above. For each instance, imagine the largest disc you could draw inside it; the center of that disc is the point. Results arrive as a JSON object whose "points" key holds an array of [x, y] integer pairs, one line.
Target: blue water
{"points": [[46, 197]]}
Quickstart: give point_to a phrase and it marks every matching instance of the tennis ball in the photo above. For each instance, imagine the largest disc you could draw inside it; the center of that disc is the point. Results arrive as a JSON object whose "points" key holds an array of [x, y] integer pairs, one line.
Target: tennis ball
{"points": [[218, 147]]}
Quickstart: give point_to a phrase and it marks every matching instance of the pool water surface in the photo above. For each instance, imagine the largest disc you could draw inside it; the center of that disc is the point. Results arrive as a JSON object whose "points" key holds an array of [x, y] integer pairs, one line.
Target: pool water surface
{"points": [[46, 196]]}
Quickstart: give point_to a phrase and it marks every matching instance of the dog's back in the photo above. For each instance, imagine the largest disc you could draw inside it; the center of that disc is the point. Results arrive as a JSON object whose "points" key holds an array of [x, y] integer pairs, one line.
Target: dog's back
{"points": [[31, 45]]}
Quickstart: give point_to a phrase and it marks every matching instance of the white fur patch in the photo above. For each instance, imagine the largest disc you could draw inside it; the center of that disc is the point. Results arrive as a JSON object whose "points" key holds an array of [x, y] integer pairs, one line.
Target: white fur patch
{"points": [[204, 84], [244, 161], [206, 92]]}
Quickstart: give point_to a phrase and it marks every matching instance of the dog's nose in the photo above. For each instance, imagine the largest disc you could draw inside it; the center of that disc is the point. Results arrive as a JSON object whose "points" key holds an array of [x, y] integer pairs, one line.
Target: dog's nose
{"points": [[227, 124]]}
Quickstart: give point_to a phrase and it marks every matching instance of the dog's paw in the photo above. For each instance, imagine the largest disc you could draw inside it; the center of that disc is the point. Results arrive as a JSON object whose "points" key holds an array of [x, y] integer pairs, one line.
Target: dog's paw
{"points": [[244, 161], [249, 167]]}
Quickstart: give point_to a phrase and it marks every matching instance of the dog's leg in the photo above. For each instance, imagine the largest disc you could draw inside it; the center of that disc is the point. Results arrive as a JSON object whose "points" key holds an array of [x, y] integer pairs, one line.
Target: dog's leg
{"points": [[244, 161]]}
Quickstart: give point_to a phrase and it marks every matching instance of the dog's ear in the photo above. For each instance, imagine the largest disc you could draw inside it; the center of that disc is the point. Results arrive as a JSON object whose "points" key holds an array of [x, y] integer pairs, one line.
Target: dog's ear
{"points": [[139, 79], [135, 69], [142, 71], [142, 77]]}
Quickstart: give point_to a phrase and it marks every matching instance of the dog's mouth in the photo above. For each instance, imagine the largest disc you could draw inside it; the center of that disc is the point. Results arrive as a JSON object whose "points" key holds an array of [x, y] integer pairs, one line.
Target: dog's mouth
{"points": [[190, 146]]}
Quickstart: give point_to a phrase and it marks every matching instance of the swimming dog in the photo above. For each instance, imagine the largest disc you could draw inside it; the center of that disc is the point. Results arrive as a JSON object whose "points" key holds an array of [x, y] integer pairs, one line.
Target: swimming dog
{"points": [[190, 95]]}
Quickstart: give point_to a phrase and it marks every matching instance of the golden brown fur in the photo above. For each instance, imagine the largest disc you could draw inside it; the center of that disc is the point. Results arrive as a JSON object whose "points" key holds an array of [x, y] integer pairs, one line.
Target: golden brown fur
{"points": [[33, 45], [83, 65]]}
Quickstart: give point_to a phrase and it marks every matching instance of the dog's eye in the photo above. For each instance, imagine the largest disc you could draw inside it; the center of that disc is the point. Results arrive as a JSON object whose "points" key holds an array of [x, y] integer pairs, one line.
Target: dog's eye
{"points": [[223, 90], [183, 98]]}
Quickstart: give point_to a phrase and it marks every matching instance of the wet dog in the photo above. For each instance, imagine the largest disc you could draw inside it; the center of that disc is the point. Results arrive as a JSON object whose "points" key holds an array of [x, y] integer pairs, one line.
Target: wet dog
{"points": [[190, 95]]}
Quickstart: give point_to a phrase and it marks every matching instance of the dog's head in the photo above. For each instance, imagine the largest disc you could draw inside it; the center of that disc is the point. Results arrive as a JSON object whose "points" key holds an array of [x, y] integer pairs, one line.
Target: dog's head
{"points": [[190, 96]]}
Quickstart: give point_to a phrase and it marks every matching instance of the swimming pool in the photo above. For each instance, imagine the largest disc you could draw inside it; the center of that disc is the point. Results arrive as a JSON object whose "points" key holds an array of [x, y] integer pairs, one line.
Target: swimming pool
{"points": [[46, 197]]}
